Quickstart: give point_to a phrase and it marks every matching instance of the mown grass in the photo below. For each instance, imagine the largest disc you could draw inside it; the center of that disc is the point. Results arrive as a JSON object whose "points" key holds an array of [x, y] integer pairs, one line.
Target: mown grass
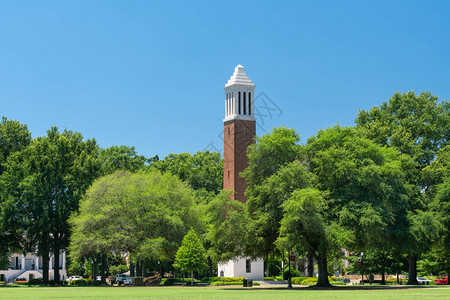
{"points": [[112, 293]]}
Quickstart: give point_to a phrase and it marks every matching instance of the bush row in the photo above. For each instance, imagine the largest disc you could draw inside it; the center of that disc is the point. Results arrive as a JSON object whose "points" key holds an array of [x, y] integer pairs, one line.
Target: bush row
{"points": [[225, 279], [218, 283]]}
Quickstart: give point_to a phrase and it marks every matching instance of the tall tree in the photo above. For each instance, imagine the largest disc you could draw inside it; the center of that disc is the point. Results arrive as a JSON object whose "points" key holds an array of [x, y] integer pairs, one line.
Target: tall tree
{"points": [[191, 255], [143, 214], [14, 137], [43, 185], [274, 171], [366, 186], [419, 126]]}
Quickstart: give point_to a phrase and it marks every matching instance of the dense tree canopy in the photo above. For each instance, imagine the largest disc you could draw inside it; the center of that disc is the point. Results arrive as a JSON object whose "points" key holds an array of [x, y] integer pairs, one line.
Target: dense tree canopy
{"points": [[418, 126], [14, 137], [43, 184], [143, 214], [202, 170]]}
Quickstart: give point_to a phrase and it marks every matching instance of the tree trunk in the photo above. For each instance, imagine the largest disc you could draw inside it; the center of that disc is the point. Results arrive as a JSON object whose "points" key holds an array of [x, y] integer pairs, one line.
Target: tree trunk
{"points": [[412, 280], [132, 271], [210, 266], [138, 268], [323, 271], [192, 277], [103, 270], [310, 258], [56, 260], [95, 265], [45, 265], [383, 263], [266, 263]]}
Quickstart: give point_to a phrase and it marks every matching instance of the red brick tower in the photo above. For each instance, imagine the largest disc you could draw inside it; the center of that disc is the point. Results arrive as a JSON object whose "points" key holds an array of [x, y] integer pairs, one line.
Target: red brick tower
{"points": [[239, 131]]}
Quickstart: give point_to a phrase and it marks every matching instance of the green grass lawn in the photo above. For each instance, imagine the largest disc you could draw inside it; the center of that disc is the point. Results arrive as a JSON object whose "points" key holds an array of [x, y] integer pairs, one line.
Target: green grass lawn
{"points": [[112, 293]]}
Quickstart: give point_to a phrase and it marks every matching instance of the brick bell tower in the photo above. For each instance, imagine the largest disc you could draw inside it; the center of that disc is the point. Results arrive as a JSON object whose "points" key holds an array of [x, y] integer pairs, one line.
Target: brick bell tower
{"points": [[239, 131]]}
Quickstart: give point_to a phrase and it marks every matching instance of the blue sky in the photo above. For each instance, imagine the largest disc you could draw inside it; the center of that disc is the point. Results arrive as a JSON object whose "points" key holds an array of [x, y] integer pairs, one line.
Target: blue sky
{"points": [[151, 74]]}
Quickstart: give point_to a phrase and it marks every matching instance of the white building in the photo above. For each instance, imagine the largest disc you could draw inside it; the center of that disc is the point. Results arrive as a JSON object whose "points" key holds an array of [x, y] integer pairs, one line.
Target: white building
{"points": [[29, 266], [242, 267]]}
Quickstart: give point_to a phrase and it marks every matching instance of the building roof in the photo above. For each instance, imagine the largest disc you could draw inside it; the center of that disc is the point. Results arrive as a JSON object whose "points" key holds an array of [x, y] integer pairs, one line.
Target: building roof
{"points": [[239, 77]]}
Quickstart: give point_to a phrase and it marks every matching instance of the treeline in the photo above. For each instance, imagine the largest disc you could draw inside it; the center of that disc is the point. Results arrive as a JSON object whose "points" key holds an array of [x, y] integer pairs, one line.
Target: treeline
{"points": [[43, 182], [381, 187]]}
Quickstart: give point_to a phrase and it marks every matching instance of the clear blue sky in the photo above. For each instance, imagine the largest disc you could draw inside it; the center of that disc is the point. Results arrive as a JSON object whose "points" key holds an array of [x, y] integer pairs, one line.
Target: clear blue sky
{"points": [[151, 74]]}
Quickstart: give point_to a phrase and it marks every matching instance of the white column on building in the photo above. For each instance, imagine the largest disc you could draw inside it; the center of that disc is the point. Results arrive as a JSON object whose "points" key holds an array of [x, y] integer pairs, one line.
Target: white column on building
{"points": [[233, 105], [22, 259]]}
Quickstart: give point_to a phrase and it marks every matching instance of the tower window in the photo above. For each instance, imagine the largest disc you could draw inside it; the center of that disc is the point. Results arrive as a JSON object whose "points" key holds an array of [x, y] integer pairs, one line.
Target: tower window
{"points": [[248, 266], [239, 102], [228, 174], [249, 103], [228, 130], [245, 130], [245, 104]]}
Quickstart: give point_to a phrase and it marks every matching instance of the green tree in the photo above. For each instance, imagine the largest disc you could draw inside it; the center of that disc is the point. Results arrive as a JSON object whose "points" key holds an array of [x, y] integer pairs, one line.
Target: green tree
{"points": [[202, 170], [43, 184], [366, 186], [306, 226], [274, 172], [14, 137], [441, 205], [416, 125], [144, 214], [227, 223], [191, 255]]}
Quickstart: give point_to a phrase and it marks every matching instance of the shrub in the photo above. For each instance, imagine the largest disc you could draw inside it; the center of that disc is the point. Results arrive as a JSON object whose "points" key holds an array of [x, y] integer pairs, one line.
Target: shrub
{"points": [[294, 273], [82, 282], [274, 268], [172, 281], [225, 279], [218, 283], [35, 281]]}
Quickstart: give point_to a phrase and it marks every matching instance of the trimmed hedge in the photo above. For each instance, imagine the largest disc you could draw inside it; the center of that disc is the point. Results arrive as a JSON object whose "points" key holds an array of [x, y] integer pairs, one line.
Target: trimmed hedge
{"points": [[219, 283], [82, 282], [172, 281], [36, 281], [225, 279], [313, 280]]}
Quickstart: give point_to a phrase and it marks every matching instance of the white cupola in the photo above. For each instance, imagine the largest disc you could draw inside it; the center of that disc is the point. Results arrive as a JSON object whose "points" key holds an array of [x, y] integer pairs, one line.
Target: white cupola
{"points": [[239, 96]]}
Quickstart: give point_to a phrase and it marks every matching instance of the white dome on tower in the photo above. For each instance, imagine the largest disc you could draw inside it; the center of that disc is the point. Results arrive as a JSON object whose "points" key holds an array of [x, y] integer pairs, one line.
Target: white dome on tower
{"points": [[239, 77]]}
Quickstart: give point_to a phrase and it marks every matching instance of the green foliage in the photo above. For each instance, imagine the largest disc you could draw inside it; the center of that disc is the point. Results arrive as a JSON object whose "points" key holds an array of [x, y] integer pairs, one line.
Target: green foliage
{"points": [[417, 125], [202, 171], [172, 281], [82, 282], [43, 184], [274, 268], [304, 280], [191, 255], [222, 283], [294, 273], [117, 158], [225, 279], [227, 223], [145, 214], [119, 269]]}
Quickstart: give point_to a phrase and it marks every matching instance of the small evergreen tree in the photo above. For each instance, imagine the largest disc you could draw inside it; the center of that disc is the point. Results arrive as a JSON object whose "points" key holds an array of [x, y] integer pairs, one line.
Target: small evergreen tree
{"points": [[191, 255]]}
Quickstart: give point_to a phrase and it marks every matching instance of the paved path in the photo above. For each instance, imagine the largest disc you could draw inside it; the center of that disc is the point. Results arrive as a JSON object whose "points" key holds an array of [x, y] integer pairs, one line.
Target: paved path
{"points": [[270, 282]]}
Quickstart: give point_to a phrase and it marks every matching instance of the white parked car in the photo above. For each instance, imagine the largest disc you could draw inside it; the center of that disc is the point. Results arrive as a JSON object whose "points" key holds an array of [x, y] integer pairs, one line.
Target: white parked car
{"points": [[127, 281], [423, 280], [74, 277]]}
